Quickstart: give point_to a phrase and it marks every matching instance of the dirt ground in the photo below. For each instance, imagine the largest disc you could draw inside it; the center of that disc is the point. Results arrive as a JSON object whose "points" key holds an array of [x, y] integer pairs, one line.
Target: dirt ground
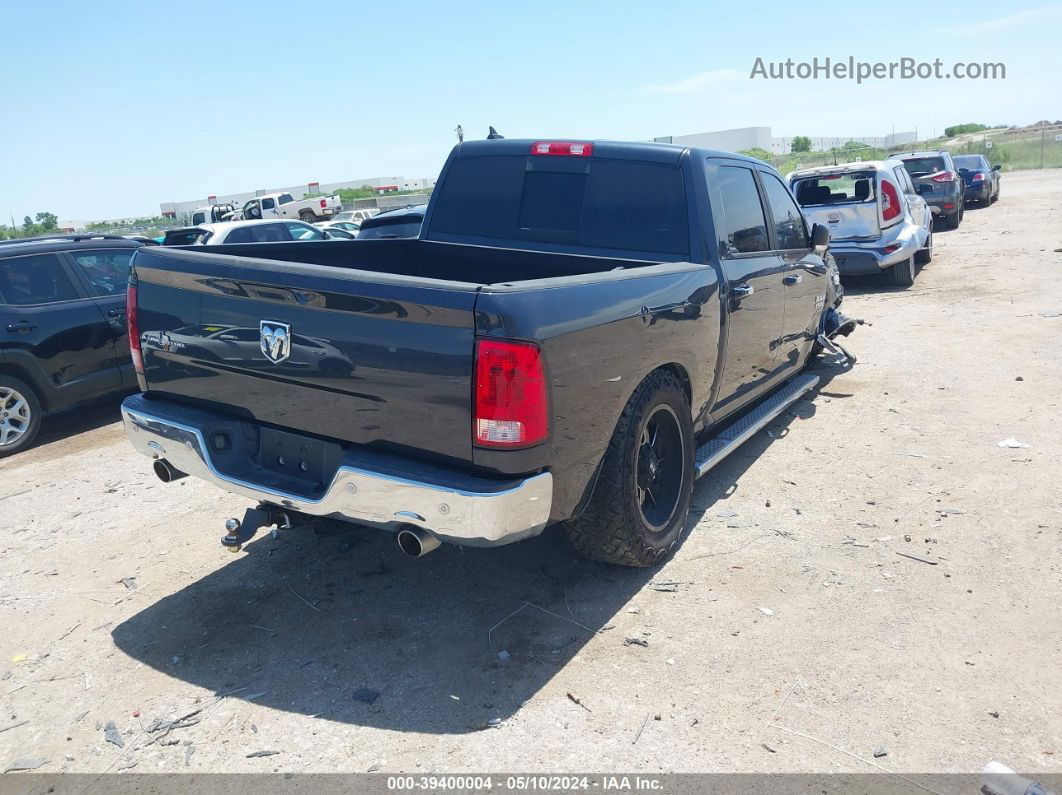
{"points": [[798, 638]]}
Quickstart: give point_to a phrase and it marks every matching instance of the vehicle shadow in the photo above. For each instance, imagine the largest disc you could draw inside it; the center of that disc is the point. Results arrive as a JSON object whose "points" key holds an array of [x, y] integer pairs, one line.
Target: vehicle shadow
{"points": [[79, 419], [332, 621]]}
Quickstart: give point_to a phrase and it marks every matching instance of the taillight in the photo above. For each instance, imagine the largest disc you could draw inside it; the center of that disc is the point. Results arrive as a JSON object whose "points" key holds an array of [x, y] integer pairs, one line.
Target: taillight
{"points": [[890, 201], [324, 203], [561, 148], [133, 326], [977, 177], [510, 395], [944, 176]]}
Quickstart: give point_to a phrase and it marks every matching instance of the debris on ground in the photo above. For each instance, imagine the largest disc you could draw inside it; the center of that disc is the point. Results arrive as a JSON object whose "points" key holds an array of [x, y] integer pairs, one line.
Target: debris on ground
{"points": [[13, 726], [257, 754], [635, 642], [1012, 444], [920, 560], [768, 748], [188, 751], [129, 583], [994, 714], [160, 727], [666, 587], [26, 763], [126, 764], [504, 656], [880, 752], [112, 735], [366, 695], [766, 611], [577, 702]]}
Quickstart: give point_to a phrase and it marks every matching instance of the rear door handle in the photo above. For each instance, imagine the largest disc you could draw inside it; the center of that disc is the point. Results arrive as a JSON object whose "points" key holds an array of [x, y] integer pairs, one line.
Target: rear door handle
{"points": [[793, 278], [22, 325], [742, 290]]}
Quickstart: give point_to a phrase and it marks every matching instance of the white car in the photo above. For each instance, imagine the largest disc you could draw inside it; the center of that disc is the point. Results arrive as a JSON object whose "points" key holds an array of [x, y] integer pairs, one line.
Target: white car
{"points": [[284, 205], [228, 232], [351, 227], [356, 216], [878, 222]]}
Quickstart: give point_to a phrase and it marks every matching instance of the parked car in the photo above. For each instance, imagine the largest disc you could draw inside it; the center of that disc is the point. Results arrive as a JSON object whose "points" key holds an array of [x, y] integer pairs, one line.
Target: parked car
{"points": [[980, 178], [229, 232], [353, 227], [876, 218], [581, 329], [213, 213], [936, 178], [404, 222], [356, 216], [62, 328], [284, 205], [338, 233]]}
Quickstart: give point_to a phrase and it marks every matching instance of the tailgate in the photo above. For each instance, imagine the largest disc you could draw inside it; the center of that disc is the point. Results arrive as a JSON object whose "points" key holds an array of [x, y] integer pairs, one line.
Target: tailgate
{"points": [[343, 354]]}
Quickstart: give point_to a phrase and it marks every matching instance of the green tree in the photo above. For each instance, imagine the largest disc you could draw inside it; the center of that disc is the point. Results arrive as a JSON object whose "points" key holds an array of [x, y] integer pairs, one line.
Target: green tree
{"points": [[756, 152], [48, 221], [801, 143], [961, 129], [27, 223]]}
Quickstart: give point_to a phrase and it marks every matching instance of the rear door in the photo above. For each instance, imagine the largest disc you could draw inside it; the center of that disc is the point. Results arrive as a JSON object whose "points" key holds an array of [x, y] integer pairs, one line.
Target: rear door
{"points": [[105, 274], [803, 273], [50, 324], [918, 207], [754, 295]]}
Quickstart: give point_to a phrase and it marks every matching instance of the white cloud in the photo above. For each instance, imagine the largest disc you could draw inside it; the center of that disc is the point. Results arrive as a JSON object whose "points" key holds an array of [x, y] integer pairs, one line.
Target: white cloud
{"points": [[697, 82], [1009, 21]]}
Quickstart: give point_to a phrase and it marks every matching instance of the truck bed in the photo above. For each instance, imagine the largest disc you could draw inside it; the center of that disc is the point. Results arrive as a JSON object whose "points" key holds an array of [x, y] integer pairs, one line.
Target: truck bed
{"points": [[382, 345]]}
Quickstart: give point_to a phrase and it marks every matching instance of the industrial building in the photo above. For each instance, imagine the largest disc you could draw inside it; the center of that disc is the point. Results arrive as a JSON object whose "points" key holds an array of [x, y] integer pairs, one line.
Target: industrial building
{"points": [[745, 138]]}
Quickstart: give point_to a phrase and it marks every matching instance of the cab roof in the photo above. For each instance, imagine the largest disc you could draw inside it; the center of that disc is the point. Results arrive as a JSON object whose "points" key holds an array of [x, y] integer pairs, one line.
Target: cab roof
{"points": [[649, 151]]}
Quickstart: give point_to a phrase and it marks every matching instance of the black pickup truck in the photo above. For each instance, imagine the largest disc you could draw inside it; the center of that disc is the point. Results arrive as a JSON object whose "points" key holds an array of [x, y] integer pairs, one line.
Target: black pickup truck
{"points": [[581, 329]]}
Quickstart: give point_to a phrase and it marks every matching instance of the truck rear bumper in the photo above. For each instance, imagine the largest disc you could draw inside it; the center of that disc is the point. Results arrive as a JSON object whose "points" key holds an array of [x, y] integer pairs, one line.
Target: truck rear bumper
{"points": [[367, 486]]}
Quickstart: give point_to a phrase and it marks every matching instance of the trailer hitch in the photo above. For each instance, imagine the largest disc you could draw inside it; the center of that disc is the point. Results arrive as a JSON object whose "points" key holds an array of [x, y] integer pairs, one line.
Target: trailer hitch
{"points": [[254, 519]]}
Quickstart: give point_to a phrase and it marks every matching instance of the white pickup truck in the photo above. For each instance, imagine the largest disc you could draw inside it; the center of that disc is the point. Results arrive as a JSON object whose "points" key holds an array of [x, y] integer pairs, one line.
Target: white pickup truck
{"points": [[284, 205]]}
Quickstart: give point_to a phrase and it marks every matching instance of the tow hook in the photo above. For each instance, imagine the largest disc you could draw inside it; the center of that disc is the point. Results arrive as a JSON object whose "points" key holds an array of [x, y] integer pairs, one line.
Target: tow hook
{"points": [[254, 519]]}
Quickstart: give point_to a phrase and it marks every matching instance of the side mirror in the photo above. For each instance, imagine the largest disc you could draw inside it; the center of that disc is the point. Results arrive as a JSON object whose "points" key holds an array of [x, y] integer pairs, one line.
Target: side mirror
{"points": [[820, 238], [996, 167]]}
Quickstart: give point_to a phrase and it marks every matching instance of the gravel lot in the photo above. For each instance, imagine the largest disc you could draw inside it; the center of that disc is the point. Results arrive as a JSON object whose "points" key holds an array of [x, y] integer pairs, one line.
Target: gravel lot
{"points": [[797, 627]]}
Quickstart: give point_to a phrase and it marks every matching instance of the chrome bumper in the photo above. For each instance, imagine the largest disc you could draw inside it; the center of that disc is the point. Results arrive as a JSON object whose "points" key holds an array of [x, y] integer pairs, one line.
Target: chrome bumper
{"points": [[367, 487]]}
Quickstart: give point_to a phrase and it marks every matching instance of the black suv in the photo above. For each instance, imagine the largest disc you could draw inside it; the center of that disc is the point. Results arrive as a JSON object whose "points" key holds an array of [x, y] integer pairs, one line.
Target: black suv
{"points": [[937, 180], [63, 336]]}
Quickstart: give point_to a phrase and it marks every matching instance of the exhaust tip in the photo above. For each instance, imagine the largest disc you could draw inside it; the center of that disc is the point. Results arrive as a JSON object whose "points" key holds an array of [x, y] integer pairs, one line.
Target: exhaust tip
{"points": [[165, 472], [416, 542]]}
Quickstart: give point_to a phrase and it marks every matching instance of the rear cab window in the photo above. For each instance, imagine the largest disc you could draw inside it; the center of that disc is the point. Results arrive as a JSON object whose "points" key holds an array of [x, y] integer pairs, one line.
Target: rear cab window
{"points": [[560, 203], [741, 224], [826, 189]]}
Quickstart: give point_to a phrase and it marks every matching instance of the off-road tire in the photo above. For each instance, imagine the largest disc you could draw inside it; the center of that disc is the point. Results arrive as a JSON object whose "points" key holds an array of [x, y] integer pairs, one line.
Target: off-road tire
{"points": [[307, 217], [30, 396], [902, 274], [925, 255], [611, 528]]}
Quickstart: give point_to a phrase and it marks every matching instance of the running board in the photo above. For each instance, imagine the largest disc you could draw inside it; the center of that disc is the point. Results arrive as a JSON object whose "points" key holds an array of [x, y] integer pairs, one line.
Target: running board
{"points": [[733, 436]]}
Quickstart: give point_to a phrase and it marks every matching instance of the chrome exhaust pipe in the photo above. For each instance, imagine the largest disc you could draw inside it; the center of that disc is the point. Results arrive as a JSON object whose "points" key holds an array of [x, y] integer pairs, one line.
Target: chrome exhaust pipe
{"points": [[416, 542], [165, 472]]}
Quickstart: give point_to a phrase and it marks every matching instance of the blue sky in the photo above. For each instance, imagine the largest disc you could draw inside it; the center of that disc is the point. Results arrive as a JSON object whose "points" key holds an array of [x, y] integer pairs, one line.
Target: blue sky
{"points": [[113, 107]]}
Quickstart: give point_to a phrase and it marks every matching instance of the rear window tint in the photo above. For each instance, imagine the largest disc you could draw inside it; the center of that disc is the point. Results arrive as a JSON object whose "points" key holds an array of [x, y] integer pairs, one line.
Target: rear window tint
{"points": [[920, 166], [596, 203]]}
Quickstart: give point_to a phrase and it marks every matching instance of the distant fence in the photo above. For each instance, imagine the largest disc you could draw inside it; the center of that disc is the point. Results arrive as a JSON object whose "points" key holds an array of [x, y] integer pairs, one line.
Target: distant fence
{"points": [[1013, 149], [385, 202]]}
